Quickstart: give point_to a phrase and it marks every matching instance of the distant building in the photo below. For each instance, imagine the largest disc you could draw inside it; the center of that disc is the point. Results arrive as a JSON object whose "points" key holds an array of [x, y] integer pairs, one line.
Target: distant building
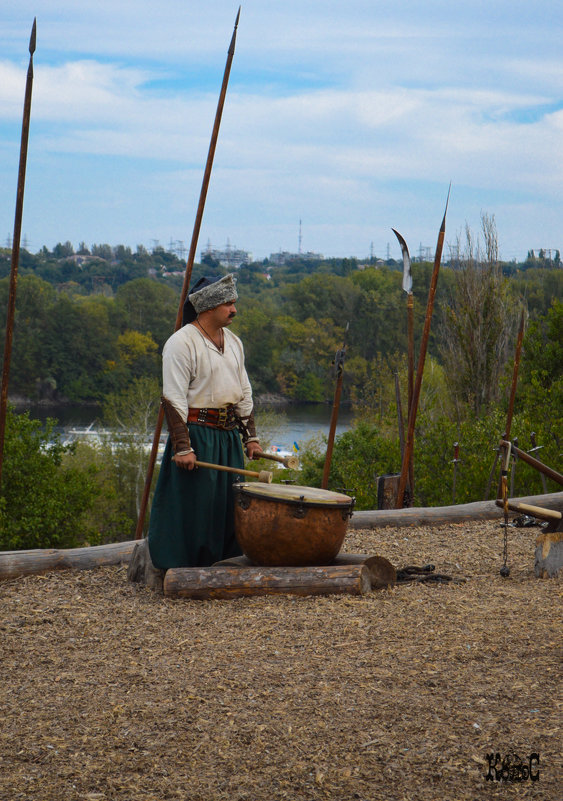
{"points": [[231, 258], [283, 257]]}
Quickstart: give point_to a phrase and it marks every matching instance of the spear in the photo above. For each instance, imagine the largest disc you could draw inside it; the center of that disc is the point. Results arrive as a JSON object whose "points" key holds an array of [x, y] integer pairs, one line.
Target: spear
{"points": [[338, 369], [400, 416], [536, 447], [455, 462], [189, 266], [16, 246], [510, 412], [512, 398], [407, 287], [421, 359]]}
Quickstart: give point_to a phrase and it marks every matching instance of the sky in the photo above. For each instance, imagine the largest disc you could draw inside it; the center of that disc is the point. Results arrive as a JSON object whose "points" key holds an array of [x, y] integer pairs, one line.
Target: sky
{"points": [[342, 121]]}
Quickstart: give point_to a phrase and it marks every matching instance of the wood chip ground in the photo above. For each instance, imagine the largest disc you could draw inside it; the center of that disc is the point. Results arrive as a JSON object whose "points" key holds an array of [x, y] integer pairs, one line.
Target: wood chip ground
{"points": [[110, 691]]}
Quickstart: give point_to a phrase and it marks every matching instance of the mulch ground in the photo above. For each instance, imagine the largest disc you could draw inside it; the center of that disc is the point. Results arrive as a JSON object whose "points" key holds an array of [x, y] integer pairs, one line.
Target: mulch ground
{"points": [[110, 691]]}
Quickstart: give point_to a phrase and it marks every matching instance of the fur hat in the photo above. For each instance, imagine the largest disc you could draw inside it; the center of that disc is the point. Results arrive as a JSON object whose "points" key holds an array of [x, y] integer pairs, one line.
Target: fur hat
{"points": [[208, 293]]}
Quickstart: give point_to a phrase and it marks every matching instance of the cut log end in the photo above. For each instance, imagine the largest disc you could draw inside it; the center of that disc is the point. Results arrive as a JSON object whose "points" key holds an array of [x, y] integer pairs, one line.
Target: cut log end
{"points": [[141, 569], [549, 554]]}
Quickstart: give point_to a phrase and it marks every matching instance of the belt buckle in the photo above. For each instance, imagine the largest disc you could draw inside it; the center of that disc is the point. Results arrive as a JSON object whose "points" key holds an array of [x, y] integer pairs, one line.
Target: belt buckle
{"points": [[222, 417]]}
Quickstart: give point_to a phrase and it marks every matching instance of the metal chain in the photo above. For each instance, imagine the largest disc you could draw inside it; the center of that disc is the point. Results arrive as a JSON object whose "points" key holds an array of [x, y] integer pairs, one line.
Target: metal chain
{"points": [[505, 570], [505, 548]]}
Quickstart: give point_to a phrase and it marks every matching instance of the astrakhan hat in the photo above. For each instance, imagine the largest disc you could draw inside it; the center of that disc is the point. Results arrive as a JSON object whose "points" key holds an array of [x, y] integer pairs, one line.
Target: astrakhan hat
{"points": [[208, 293]]}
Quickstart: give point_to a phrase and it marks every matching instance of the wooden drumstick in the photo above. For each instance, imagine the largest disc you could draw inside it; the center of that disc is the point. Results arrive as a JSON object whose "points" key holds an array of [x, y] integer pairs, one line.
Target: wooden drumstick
{"points": [[264, 476], [292, 462]]}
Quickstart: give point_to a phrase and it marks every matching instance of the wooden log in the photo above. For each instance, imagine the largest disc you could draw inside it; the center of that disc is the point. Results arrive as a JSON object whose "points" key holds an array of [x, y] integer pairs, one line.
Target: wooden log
{"points": [[443, 515], [382, 573], [24, 563], [40, 560], [239, 582]]}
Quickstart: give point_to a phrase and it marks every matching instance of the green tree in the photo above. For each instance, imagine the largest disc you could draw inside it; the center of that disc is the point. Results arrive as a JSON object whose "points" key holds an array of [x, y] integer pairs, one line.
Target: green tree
{"points": [[478, 324], [148, 307], [359, 457], [43, 503], [540, 383], [61, 251], [80, 345], [131, 417], [34, 305]]}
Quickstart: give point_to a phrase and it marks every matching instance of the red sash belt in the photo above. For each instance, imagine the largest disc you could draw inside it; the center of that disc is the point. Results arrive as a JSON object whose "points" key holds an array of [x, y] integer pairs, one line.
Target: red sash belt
{"points": [[223, 418]]}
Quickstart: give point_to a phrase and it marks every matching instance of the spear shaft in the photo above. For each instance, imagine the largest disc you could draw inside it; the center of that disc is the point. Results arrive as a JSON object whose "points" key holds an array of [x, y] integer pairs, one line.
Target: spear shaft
{"points": [[400, 416], [515, 371], [338, 366], [409, 447], [410, 340], [16, 246], [189, 267]]}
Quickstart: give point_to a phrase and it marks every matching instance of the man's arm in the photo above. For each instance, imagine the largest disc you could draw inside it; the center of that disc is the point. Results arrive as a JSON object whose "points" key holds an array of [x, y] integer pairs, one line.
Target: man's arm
{"points": [[184, 455]]}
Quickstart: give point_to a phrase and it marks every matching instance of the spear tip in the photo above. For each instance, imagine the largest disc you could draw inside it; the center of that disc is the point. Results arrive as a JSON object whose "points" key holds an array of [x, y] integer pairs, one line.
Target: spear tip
{"points": [[234, 36], [33, 37], [443, 226]]}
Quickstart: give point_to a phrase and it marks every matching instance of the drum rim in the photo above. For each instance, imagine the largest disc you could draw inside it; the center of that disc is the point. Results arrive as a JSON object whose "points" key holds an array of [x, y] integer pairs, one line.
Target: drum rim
{"points": [[298, 501]]}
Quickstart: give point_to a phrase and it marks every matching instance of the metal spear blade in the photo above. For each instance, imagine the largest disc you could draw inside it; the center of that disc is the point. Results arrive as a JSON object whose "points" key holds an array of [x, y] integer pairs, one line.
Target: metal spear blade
{"points": [[407, 275]]}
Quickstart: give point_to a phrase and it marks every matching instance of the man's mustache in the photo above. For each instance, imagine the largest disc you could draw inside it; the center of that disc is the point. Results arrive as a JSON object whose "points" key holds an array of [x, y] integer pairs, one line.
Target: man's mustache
{"points": [[232, 314]]}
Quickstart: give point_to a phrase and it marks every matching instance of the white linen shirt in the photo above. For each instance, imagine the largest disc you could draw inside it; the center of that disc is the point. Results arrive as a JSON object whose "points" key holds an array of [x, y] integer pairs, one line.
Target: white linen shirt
{"points": [[195, 374]]}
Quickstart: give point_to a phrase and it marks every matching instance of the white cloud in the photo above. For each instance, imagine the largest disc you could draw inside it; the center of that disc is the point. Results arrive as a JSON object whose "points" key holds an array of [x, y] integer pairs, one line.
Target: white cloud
{"points": [[356, 113]]}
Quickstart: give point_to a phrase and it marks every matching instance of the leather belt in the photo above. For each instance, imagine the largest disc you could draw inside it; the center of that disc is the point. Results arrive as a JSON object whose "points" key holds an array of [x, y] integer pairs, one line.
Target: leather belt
{"points": [[223, 418]]}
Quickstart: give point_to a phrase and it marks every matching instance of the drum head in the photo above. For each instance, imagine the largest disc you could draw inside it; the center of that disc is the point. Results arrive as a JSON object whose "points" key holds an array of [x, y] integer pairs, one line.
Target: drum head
{"points": [[293, 493]]}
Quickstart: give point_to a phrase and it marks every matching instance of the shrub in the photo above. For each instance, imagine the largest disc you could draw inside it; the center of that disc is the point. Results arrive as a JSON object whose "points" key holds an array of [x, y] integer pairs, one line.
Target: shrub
{"points": [[43, 503]]}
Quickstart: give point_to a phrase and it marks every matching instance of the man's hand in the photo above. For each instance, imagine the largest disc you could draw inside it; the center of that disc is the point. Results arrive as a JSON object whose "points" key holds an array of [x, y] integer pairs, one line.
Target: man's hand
{"points": [[251, 448], [186, 462]]}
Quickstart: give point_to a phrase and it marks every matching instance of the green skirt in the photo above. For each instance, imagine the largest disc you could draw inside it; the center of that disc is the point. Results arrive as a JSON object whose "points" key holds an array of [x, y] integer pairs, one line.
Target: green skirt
{"points": [[192, 515]]}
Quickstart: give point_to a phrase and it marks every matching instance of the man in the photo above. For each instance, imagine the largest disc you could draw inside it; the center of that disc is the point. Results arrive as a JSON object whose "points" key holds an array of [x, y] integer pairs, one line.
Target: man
{"points": [[207, 401]]}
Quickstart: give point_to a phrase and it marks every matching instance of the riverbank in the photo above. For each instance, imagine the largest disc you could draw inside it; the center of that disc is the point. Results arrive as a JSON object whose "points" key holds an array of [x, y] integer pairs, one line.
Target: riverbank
{"points": [[281, 424]]}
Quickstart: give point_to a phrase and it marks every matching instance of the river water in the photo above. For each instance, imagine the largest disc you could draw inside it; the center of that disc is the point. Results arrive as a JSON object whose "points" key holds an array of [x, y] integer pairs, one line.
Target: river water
{"points": [[279, 426]]}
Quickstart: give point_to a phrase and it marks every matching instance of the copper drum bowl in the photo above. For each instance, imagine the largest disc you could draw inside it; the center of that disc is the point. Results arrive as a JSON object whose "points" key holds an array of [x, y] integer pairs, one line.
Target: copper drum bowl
{"points": [[289, 525]]}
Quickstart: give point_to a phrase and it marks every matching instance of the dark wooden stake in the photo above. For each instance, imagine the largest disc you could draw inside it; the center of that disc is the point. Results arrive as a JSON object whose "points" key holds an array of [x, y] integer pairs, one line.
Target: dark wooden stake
{"points": [[16, 248], [510, 412], [189, 267], [339, 367], [400, 416]]}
